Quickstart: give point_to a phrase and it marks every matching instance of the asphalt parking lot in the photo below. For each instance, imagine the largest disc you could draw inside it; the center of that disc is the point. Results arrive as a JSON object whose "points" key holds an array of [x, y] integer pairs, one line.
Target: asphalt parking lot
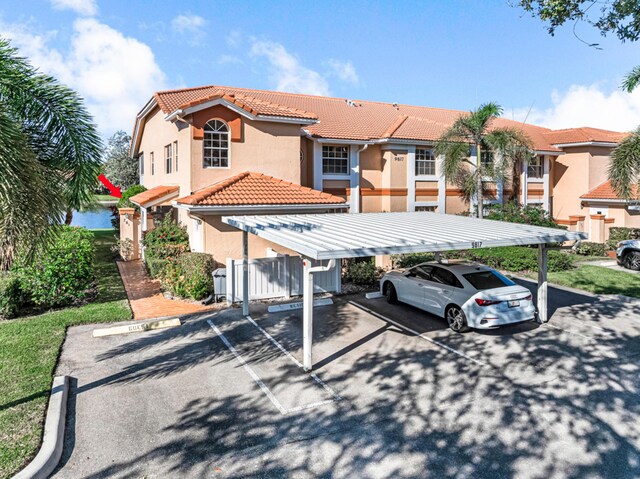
{"points": [[395, 394]]}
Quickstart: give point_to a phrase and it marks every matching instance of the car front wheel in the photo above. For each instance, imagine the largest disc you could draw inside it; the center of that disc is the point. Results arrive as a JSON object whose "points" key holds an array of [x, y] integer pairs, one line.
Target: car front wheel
{"points": [[632, 260], [456, 319], [390, 293]]}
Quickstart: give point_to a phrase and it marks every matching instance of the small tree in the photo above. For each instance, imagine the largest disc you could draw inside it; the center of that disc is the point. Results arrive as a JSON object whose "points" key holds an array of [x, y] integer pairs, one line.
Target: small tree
{"points": [[507, 146], [119, 167]]}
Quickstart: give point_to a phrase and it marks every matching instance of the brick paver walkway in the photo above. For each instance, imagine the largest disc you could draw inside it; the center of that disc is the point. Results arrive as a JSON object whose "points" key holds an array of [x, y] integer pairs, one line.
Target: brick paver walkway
{"points": [[145, 296]]}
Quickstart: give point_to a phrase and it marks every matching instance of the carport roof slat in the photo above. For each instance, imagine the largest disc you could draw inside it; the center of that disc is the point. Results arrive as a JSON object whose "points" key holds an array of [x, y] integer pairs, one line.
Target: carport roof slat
{"points": [[341, 235]]}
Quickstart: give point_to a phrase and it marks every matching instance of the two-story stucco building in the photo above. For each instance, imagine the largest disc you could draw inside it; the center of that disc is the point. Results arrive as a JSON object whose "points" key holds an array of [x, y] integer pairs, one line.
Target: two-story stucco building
{"points": [[211, 151]]}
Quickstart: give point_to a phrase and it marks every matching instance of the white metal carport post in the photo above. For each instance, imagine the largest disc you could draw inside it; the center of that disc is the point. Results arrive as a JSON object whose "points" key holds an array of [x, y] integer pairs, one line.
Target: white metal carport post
{"points": [[542, 283], [245, 273], [307, 308]]}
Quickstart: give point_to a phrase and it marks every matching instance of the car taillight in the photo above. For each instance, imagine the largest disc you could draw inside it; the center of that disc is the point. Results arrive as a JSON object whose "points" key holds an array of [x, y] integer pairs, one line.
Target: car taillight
{"points": [[528, 298], [487, 302]]}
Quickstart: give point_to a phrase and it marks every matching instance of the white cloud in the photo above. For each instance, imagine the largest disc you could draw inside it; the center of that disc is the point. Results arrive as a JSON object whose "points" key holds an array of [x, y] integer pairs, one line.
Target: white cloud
{"points": [[81, 7], [583, 105], [344, 70], [188, 23], [115, 74], [229, 59], [287, 72]]}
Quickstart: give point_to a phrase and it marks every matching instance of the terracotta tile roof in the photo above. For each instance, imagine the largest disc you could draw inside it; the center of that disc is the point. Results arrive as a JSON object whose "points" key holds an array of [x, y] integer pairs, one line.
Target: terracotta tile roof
{"points": [[606, 192], [153, 194], [584, 135], [250, 188], [172, 100], [365, 120]]}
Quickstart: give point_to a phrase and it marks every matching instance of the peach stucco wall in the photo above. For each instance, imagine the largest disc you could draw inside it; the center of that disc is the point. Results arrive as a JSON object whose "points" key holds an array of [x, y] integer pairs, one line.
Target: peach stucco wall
{"points": [[269, 148], [156, 135]]}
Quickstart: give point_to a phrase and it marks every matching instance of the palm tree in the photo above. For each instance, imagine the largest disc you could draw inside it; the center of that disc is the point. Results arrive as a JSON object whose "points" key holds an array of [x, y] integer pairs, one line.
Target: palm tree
{"points": [[632, 80], [505, 146], [49, 155], [624, 170]]}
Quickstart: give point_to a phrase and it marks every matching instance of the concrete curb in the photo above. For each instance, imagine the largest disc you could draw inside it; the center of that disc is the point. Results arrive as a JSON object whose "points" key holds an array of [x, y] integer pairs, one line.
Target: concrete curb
{"points": [[53, 440]]}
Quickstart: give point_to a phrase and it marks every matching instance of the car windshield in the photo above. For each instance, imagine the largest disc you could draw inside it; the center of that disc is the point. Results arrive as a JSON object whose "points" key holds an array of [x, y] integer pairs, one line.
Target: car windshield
{"points": [[487, 280]]}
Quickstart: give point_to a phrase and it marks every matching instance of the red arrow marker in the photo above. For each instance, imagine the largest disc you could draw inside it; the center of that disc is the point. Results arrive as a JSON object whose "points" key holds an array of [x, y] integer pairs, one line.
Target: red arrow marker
{"points": [[114, 190]]}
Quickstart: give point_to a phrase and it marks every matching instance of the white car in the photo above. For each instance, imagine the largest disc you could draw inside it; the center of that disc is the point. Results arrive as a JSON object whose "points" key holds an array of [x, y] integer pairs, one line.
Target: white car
{"points": [[465, 294]]}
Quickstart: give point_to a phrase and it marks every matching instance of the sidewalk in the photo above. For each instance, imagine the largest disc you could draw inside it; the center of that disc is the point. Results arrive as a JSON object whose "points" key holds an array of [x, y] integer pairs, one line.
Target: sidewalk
{"points": [[146, 298]]}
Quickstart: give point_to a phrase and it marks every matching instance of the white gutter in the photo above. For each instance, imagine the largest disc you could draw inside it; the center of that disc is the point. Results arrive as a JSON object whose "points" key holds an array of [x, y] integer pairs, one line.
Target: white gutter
{"points": [[151, 104], [194, 209], [155, 202], [587, 143], [604, 200]]}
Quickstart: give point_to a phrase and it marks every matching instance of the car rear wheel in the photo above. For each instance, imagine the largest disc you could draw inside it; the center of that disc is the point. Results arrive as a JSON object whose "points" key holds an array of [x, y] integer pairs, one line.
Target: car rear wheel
{"points": [[632, 260], [390, 293], [456, 319]]}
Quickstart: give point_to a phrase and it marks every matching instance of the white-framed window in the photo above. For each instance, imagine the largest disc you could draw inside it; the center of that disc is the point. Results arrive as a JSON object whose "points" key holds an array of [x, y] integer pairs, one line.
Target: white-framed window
{"points": [[153, 163], [431, 209], [425, 162], [215, 153], [175, 153], [141, 160], [335, 160], [168, 158], [535, 168], [486, 160]]}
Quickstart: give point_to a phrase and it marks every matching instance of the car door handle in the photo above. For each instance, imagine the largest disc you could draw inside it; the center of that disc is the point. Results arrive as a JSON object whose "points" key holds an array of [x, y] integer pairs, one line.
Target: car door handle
{"points": [[446, 291]]}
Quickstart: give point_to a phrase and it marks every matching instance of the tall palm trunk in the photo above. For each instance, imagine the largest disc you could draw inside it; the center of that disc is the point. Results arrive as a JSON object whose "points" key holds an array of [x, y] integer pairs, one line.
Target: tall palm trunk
{"points": [[479, 196], [68, 216]]}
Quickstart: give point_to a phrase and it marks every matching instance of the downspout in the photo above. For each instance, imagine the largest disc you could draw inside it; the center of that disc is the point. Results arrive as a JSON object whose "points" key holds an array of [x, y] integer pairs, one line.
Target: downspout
{"points": [[355, 182]]}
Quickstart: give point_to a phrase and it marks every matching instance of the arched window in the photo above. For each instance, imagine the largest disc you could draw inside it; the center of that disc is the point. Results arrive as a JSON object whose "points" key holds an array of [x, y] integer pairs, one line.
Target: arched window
{"points": [[215, 153]]}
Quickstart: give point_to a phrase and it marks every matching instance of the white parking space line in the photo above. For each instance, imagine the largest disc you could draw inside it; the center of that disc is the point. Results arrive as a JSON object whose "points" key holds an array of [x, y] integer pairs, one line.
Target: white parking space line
{"points": [[571, 332], [320, 382], [420, 335], [585, 323], [251, 372]]}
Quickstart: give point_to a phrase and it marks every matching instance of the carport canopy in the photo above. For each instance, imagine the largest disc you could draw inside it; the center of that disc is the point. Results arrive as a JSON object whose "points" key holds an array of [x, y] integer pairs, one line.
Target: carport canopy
{"points": [[339, 235]]}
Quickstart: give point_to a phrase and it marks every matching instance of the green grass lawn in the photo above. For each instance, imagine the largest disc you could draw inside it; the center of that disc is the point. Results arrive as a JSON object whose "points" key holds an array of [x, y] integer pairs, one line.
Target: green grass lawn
{"points": [[104, 198], [599, 280], [29, 350]]}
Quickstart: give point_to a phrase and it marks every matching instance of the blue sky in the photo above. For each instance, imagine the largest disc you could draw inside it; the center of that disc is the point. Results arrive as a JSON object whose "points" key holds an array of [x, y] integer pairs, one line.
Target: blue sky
{"points": [[450, 54]]}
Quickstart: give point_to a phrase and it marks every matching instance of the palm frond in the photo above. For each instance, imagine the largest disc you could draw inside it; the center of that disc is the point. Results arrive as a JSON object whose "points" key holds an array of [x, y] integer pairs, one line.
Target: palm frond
{"points": [[624, 170], [632, 80]]}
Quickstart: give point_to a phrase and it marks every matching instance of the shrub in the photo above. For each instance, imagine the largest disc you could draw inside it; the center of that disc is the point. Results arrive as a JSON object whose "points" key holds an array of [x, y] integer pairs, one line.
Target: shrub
{"points": [[519, 258], [588, 248], [617, 234], [10, 297], [189, 276], [168, 240], [530, 215], [63, 273], [410, 259], [128, 193], [156, 267], [508, 258], [364, 272]]}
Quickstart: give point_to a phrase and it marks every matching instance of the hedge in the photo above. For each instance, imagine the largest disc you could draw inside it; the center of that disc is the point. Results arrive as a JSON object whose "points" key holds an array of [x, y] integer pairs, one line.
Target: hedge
{"points": [[617, 234], [363, 272], [587, 248], [508, 258], [124, 201], [168, 240], [530, 215], [156, 267], [189, 276], [10, 296], [63, 273]]}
